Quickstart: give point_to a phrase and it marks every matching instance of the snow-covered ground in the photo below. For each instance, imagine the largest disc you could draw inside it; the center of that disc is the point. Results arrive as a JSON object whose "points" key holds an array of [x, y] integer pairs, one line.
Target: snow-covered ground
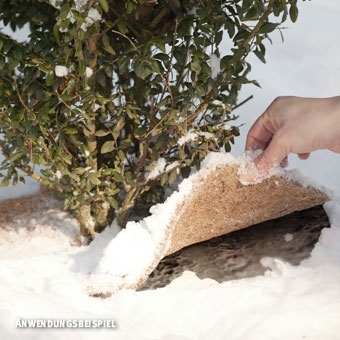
{"points": [[42, 276]]}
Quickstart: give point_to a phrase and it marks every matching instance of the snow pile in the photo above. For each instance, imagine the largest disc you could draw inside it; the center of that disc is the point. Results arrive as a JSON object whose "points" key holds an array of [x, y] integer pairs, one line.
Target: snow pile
{"points": [[286, 303]]}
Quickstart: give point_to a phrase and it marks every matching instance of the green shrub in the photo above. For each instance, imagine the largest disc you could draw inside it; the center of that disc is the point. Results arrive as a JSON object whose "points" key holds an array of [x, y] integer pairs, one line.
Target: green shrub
{"points": [[102, 92]]}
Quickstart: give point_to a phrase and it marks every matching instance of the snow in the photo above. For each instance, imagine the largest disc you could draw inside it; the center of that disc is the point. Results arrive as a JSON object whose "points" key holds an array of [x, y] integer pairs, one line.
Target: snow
{"points": [[93, 16], [215, 65], [156, 168], [44, 276], [288, 237], [192, 135], [61, 71], [88, 72], [159, 167], [80, 4], [248, 172]]}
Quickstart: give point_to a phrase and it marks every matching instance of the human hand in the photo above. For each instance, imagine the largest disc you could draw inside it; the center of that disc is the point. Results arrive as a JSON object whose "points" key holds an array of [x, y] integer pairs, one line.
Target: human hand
{"points": [[294, 125]]}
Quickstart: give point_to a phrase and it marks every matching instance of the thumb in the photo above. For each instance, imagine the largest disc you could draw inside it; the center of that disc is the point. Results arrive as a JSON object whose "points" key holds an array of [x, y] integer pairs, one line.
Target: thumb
{"points": [[261, 167], [271, 157]]}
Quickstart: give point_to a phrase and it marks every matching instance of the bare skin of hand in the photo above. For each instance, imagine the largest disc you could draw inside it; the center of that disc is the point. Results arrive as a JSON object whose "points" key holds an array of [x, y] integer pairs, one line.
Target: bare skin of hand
{"points": [[295, 125]]}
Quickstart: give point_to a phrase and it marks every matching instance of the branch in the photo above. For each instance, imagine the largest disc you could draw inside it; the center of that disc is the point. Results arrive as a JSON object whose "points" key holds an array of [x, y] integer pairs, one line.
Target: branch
{"points": [[257, 27], [159, 17], [28, 171], [239, 52], [19, 95], [243, 102], [127, 38]]}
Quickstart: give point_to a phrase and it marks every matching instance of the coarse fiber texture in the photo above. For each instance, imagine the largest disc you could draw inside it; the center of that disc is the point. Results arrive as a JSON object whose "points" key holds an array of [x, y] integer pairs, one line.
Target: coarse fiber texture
{"points": [[219, 204]]}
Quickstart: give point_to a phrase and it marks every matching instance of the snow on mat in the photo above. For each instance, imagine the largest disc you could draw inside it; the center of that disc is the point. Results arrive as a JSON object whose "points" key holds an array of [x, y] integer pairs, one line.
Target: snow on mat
{"points": [[210, 203]]}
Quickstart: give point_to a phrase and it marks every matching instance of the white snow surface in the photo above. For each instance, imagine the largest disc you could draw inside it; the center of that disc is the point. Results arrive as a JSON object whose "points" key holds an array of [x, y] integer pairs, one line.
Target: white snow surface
{"points": [[193, 135], [43, 276], [61, 71], [215, 65]]}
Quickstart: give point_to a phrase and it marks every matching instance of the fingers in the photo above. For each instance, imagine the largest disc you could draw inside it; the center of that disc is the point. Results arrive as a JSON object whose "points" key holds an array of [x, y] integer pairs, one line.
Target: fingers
{"points": [[262, 135], [304, 156], [259, 135], [274, 155], [294, 125], [284, 162]]}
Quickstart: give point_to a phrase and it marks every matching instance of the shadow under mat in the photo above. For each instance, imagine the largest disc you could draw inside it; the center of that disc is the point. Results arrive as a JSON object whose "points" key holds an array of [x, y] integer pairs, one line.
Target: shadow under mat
{"points": [[237, 255]]}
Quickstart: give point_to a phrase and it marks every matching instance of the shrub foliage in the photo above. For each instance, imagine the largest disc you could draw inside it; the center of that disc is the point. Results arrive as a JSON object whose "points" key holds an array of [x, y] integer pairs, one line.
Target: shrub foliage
{"points": [[114, 100]]}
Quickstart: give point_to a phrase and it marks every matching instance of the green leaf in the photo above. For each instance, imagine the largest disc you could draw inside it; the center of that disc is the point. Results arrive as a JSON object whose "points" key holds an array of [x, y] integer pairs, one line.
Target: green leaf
{"points": [[107, 45], [164, 179], [155, 66], [267, 28], [241, 35], [117, 177], [159, 43], [17, 53], [92, 177], [293, 12], [224, 61], [102, 133], [227, 147], [50, 78], [230, 28], [218, 37], [113, 202], [277, 7], [121, 155], [2, 62], [185, 171], [104, 5], [71, 130], [101, 78], [142, 69], [246, 4], [122, 26], [130, 7], [173, 176], [162, 56], [56, 32], [252, 14], [16, 156], [108, 147], [260, 55], [5, 182]]}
